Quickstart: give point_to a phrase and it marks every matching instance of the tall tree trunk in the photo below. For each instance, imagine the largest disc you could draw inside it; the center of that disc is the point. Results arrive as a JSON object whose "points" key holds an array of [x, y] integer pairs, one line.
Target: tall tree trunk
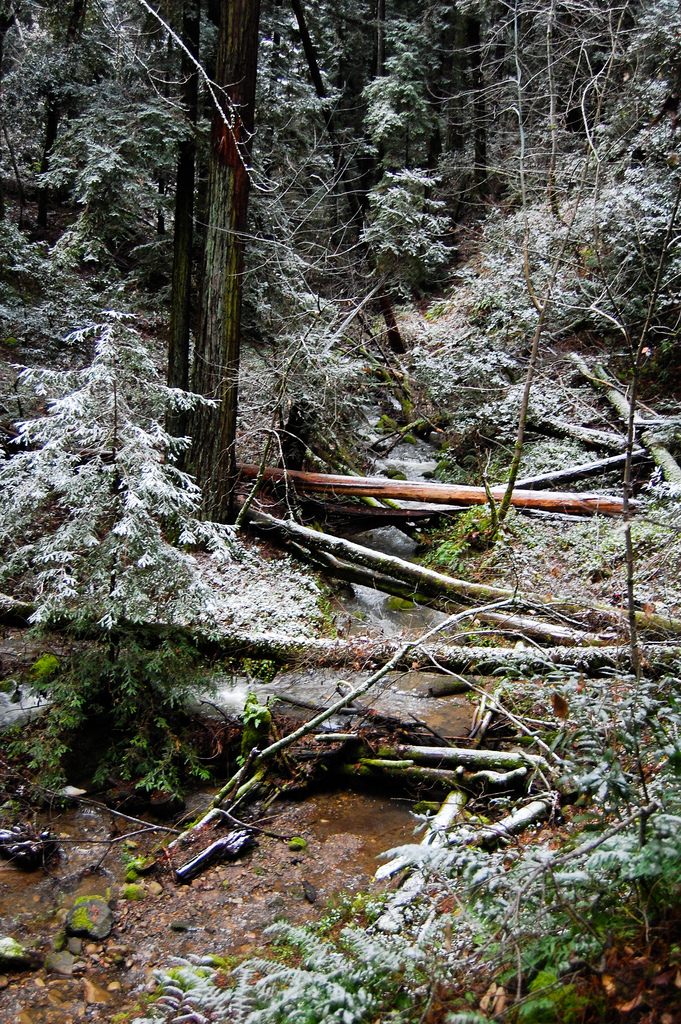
{"points": [[380, 38], [479, 116], [52, 112], [180, 303], [216, 363], [6, 21]]}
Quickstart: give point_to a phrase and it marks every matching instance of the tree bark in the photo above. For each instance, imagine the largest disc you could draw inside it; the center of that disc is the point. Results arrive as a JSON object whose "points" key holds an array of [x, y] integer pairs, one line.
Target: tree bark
{"points": [[180, 303], [52, 112], [479, 125], [6, 22], [216, 364], [441, 494]]}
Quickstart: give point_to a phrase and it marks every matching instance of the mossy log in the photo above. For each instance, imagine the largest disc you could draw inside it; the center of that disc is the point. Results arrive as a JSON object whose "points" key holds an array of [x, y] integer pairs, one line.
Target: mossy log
{"points": [[520, 625], [429, 582], [401, 772], [662, 456]]}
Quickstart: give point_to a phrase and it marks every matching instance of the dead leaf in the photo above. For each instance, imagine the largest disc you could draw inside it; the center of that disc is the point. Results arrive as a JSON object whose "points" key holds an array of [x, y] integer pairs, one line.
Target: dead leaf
{"points": [[560, 705], [648, 610], [486, 999], [677, 979], [631, 1005], [499, 1001], [608, 983]]}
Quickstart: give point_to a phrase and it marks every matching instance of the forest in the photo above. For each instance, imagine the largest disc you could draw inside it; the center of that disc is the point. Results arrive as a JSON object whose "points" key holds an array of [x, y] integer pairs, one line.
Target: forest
{"points": [[340, 518]]}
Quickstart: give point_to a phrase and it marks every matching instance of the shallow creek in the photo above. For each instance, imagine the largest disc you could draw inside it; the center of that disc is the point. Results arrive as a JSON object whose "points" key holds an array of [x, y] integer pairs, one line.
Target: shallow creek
{"points": [[227, 909]]}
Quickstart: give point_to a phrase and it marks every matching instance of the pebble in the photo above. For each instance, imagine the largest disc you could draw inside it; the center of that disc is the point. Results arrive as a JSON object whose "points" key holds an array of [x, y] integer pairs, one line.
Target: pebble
{"points": [[155, 888], [113, 986], [4, 981], [60, 963], [94, 993]]}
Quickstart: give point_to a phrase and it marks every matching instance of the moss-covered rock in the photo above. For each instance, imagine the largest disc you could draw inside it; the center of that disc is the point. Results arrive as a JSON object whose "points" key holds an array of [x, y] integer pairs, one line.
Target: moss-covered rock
{"points": [[297, 843], [90, 917], [133, 892], [14, 956]]}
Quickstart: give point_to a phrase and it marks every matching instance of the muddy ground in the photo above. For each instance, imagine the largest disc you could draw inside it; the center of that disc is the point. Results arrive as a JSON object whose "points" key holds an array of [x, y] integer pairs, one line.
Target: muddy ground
{"points": [[224, 912]]}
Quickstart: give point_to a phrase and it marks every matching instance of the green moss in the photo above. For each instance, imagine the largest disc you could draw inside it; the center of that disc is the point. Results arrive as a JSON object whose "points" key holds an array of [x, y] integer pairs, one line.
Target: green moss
{"points": [[84, 899], [131, 875], [399, 604], [45, 666], [60, 941], [297, 843], [133, 892], [551, 1002], [80, 919], [257, 722]]}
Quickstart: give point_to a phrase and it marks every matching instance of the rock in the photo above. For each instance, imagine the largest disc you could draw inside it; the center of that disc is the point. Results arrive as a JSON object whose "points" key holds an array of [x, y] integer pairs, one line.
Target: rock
{"points": [[14, 956], [142, 865], [297, 843], [113, 986], [60, 941], [90, 917], [155, 888], [72, 792], [4, 981], [309, 891], [24, 1017], [93, 993], [133, 892], [60, 963], [181, 925], [74, 945]]}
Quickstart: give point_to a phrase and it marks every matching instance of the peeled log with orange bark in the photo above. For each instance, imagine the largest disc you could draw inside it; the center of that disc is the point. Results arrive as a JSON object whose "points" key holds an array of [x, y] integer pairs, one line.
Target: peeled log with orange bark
{"points": [[437, 494]]}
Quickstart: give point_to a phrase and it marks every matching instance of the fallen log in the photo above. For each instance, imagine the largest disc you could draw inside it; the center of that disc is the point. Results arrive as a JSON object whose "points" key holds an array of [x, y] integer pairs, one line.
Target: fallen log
{"points": [[468, 758], [228, 847], [401, 772], [436, 833], [530, 814], [437, 584], [599, 378], [517, 624], [447, 494], [600, 439], [582, 471]]}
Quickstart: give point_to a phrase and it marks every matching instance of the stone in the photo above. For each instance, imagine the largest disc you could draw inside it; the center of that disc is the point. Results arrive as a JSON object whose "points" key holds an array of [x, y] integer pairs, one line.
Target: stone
{"points": [[113, 986], [4, 981], [90, 917], [24, 1017], [297, 843], [74, 945], [91, 948], [181, 925], [14, 956], [133, 892], [155, 888], [39, 983], [60, 963], [93, 993]]}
